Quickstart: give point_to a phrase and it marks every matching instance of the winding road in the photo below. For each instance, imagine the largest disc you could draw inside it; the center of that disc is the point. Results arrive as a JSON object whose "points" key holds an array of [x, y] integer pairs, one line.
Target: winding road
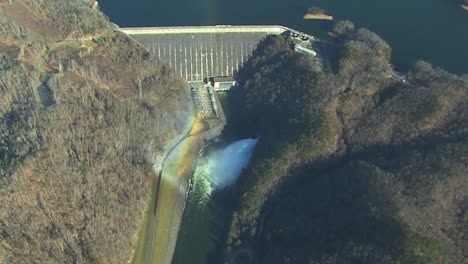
{"points": [[152, 231], [149, 244]]}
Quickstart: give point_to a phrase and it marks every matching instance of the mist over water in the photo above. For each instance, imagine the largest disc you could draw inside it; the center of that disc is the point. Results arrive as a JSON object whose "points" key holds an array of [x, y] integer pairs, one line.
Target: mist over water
{"points": [[227, 164], [209, 203], [220, 168]]}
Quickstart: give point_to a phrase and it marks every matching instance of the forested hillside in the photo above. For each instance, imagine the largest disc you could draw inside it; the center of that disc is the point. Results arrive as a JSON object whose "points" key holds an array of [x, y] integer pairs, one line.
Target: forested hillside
{"points": [[353, 165], [84, 113]]}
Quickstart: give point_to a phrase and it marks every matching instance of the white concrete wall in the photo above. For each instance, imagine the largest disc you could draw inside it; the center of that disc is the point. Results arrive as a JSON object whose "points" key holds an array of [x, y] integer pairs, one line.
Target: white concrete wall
{"points": [[269, 29]]}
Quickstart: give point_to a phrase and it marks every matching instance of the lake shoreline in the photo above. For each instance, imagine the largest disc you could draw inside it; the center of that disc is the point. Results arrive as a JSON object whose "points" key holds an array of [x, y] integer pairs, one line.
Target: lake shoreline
{"points": [[409, 45]]}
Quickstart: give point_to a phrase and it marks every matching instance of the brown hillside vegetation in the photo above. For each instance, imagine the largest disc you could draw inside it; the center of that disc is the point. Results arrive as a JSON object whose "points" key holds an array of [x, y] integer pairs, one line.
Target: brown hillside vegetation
{"points": [[358, 166], [80, 127]]}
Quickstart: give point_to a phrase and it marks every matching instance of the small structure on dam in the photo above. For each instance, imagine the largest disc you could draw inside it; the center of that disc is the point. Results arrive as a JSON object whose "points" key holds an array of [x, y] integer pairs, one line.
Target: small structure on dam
{"points": [[221, 83]]}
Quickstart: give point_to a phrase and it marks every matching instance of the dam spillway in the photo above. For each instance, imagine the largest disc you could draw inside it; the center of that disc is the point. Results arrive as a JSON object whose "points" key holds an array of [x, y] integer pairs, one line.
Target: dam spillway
{"points": [[203, 51]]}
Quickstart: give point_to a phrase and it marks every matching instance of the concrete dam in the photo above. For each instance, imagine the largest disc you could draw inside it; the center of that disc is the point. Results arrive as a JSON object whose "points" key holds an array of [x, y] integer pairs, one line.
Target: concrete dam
{"points": [[199, 52]]}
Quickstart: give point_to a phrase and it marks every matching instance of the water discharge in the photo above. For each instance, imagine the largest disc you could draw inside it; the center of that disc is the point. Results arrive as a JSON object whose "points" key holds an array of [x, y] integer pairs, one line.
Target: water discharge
{"points": [[220, 168], [207, 212], [226, 164]]}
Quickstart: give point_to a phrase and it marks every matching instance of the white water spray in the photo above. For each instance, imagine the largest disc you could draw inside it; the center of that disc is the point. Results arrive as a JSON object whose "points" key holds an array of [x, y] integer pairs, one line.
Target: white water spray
{"points": [[221, 168], [229, 162]]}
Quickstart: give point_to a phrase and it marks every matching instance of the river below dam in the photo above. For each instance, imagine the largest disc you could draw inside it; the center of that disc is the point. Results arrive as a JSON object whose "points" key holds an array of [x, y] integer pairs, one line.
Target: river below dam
{"points": [[209, 202], [432, 30]]}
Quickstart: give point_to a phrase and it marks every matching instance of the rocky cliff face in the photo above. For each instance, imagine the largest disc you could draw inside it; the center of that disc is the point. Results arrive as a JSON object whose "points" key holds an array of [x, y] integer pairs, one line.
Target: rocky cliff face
{"points": [[84, 112]]}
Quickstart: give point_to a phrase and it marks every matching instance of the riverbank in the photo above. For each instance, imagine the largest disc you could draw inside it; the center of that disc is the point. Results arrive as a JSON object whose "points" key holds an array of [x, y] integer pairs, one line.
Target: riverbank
{"points": [[173, 187], [139, 251], [318, 16], [171, 198], [142, 253]]}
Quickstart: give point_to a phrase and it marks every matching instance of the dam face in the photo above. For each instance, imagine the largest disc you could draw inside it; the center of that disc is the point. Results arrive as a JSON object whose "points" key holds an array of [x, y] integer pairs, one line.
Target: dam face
{"points": [[200, 52]]}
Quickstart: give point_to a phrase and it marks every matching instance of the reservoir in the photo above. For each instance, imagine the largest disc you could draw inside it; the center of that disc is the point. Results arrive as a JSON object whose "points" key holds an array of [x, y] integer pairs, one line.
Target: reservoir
{"points": [[432, 30]]}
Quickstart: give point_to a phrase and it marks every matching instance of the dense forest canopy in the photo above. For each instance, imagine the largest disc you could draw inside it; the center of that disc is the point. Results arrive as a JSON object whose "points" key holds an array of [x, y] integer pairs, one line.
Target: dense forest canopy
{"points": [[316, 10], [84, 114], [353, 165]]}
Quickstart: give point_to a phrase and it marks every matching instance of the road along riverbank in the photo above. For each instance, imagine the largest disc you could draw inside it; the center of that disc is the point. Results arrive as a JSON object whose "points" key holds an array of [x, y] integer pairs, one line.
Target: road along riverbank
{"points": [[172, 186]]}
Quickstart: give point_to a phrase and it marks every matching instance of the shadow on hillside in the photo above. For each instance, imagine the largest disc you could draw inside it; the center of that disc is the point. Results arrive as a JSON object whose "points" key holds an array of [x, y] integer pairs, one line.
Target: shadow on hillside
{"points": [[339, 215]]}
